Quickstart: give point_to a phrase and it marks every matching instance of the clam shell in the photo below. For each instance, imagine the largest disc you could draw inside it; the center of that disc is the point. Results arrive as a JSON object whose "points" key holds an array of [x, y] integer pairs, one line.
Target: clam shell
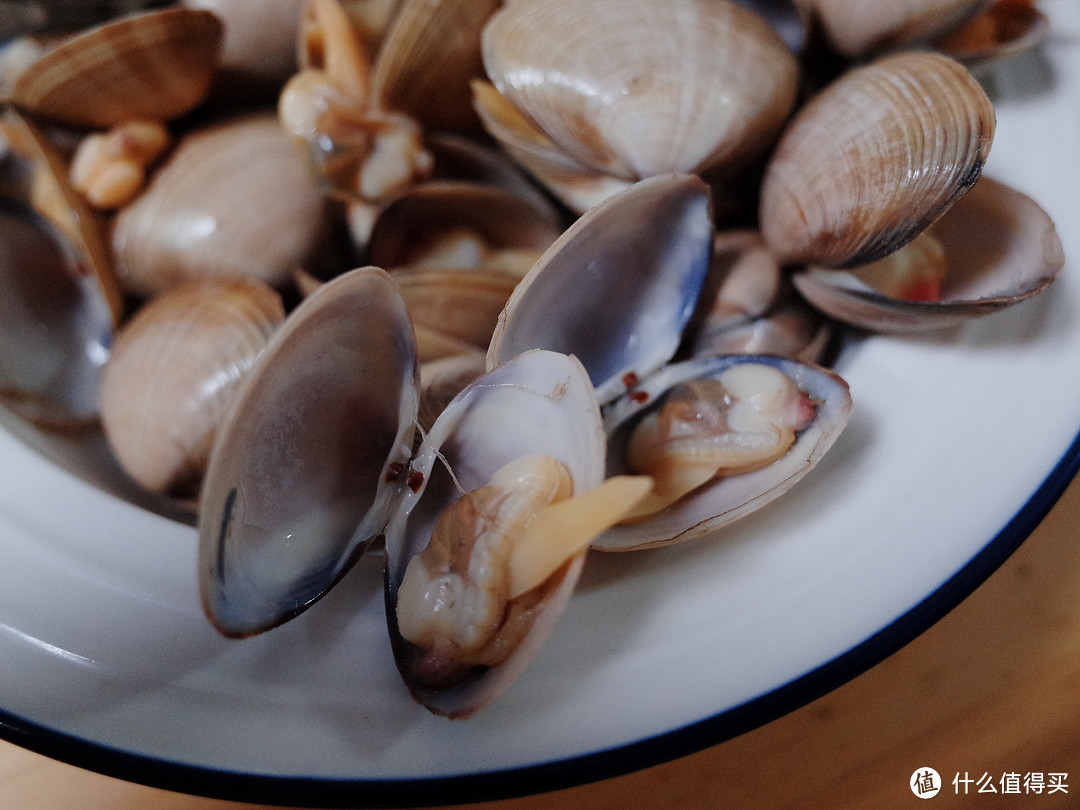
{"points": [[634, 89], [235, 200], [576, 185], [79, 222], [307, 467], [1001, 248], [430, 54], [172, 373], [407, 228], [873, 159], [462, 305], [57, 328], [538, 402], [618, 287], [724, 500], [259, 42], [158, 65], [858, 28]]}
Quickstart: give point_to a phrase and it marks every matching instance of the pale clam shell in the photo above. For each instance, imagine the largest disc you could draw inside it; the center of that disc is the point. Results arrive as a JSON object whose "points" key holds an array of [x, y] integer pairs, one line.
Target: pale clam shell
{"points": [[301, 477], [873, 159], [858, 28], [618, 287], [57, 328], [408, 226], [1001, 248], [634, 89], [538, 402], [172, 373], [157, 65], [461, 305], [425, 63], [259, 43], [235, 200], [724, 500]]}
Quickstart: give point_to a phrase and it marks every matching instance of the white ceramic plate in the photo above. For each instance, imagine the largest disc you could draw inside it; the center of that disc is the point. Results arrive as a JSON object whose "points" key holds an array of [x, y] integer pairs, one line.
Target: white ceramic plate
{"points": [[959, 444]]}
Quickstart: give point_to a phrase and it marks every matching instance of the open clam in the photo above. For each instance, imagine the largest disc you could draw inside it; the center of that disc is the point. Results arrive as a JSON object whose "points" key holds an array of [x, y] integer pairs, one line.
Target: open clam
{"points": [[996, 247], [667, 252], [874, 158], [317, 460], [57, 327]]}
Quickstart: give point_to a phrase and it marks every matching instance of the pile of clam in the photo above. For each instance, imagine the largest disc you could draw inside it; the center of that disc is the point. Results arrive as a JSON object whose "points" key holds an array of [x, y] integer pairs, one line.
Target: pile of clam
{"points": [[483, 285]]}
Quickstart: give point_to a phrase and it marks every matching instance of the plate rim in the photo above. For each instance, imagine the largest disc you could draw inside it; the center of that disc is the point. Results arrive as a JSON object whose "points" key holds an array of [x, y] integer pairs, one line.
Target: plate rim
{"points": [[516, 782]]}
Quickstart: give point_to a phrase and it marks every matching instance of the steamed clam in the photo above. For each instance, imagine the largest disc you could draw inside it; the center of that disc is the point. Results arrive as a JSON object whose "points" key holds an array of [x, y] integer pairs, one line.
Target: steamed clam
{"points": [[874, 158], [641, 384], [995, 248], [170, 377], [232, 201], [632, 90], [156, 66], [361, 117], [304, 476]]}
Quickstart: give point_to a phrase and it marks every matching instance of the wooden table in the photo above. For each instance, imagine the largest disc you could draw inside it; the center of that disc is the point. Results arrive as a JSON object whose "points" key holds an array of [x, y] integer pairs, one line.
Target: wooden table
{"points": [[993, 688]]}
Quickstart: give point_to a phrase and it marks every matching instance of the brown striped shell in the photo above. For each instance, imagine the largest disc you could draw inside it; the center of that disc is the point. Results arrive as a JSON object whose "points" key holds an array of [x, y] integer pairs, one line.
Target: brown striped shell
{"points": [[873, 159], [156, 66]]}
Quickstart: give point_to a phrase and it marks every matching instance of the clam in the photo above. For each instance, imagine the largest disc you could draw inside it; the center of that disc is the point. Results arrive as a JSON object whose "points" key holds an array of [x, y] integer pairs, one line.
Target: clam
{"points": [[258, 46], [57, 326], [659, 233], [514, 464], [157, 65], [360, 117], [1003, 29], [722, 437], [172, 374], [995, 248], [873, 159], [233, 200], [633, 89], [462, 224], [861, 28], [317, 459], [53, 197], [749, 306]]}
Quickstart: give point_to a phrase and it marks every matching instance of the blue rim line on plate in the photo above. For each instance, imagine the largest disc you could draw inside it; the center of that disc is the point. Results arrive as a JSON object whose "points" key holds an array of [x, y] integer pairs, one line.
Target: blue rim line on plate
{"points": [[557, 775]]}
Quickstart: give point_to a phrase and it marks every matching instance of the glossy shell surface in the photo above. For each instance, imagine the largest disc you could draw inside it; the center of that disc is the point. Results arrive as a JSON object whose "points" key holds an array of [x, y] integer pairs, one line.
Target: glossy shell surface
{"points": [[302, 475], [617, 288]]}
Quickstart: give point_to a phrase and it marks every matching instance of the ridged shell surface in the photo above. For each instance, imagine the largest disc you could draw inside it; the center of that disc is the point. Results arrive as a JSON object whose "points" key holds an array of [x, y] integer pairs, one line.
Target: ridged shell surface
{"points": [[235, 200], [635, 88], [158, 66], [872, 160], [173, 372]]}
